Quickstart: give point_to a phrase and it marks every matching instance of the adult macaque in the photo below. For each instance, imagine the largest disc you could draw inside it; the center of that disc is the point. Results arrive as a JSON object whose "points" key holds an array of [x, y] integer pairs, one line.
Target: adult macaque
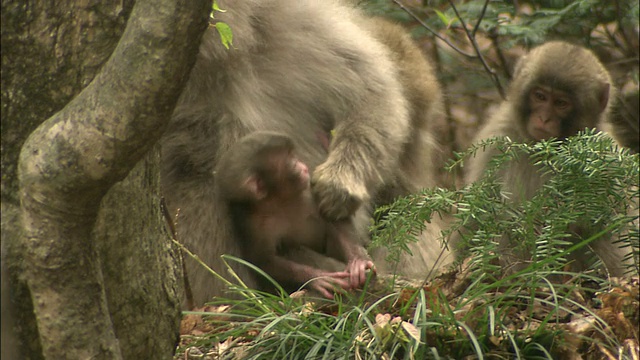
{"points": [[421, 157], [268, 192], [303, 68], [558, 89]]}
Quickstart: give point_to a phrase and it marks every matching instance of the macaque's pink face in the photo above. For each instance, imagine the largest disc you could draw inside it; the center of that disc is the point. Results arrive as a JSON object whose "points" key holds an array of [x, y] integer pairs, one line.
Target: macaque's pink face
{"points": [[549, 108]]}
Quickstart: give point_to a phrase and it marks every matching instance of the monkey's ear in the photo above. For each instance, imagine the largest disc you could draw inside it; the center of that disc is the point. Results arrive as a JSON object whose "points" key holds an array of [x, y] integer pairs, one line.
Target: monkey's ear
{"points": [[255, 187], [604, 96]]}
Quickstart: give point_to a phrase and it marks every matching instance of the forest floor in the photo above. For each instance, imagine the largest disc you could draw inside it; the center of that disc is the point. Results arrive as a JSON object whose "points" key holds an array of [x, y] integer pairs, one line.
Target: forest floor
{"points": [[584, 324]]}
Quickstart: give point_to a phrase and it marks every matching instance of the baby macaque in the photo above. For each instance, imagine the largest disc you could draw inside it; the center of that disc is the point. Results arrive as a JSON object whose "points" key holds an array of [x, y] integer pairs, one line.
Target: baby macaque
{"points": [[267, 189]]}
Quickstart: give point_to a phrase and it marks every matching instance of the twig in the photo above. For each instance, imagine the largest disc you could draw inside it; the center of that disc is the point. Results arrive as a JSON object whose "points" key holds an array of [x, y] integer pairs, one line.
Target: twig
{"points": [[493, 35], [484, 10], [435, 33], [474, 43]]}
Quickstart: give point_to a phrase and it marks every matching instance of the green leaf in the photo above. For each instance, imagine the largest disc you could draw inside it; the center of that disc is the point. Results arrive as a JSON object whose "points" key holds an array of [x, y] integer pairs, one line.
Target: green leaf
{"points": [[445, 20], [226, 36], [216, 7]]}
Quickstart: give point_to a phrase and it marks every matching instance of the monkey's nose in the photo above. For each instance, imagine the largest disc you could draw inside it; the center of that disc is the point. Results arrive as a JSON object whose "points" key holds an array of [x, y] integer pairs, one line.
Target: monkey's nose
{"points": [[545, 119]]}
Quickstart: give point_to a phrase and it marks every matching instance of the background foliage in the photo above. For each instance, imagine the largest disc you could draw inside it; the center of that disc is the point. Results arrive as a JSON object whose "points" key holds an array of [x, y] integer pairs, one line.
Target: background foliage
{"points": [[479, 42]]}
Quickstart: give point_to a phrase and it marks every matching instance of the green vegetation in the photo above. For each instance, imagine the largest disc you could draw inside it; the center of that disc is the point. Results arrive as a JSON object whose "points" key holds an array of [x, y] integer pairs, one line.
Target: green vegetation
{"points": [[476, 310], [592, 181]]}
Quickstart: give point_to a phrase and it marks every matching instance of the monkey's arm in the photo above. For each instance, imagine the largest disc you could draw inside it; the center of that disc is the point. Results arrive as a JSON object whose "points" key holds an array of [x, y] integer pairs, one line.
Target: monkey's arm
{"points": [[360, 160], [500, 124], [368, 138], [477, 165], [343, 243], [286, 271]]}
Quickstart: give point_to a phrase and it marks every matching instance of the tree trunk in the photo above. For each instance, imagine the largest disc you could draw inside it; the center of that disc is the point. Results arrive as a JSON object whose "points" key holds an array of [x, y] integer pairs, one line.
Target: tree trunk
{"points": [[139, 265], [50, 51], [100, 270]]}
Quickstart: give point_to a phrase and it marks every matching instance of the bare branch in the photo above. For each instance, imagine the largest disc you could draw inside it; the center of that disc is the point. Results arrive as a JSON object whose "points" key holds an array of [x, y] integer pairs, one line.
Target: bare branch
{"points": [[435, 33], [493, 35], [474, 43], [484, 10]]}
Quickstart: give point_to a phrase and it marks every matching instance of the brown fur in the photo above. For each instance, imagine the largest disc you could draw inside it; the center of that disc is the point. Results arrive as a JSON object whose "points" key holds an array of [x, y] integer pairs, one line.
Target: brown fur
{"points": [[267, 190], [315, 67], [422, 89], [421, 155], [250, 159]]}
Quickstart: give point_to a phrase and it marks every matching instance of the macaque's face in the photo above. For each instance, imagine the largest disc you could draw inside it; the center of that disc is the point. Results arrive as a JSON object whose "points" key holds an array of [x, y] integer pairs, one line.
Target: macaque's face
{"points": [[549, 108], [293, 174]]}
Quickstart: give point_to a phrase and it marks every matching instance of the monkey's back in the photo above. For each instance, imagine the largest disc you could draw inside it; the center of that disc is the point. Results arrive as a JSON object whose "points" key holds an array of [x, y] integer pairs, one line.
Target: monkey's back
{"points": [[294, 65]]}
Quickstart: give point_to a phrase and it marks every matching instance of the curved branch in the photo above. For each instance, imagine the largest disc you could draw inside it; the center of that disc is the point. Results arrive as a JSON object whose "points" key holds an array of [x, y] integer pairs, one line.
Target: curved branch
{"points": [[474, 43], [74, 157], [470, 36]]}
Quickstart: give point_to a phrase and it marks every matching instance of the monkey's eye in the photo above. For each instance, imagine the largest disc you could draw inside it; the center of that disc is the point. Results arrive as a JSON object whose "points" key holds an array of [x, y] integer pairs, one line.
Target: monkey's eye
{"points": [[561, 104], [539, 95]]}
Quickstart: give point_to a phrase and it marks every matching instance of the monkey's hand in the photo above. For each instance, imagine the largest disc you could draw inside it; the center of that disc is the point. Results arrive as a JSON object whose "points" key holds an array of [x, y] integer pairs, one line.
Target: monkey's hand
{"points": [[328, 283], [337, 193], [357, 269]]}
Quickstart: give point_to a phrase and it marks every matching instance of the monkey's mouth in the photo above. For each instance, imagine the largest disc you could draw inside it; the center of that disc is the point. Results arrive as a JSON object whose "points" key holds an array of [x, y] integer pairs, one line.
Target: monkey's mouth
{"points": [[540, 134]]}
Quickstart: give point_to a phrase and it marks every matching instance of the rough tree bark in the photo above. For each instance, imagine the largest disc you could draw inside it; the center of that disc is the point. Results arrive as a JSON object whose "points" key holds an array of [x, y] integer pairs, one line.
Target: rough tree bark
{"points": [[99, 270], [50, 51]]}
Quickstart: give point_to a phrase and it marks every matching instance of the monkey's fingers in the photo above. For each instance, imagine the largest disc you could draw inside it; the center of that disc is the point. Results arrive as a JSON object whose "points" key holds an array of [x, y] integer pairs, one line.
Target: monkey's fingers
{"points": [[337, 274], [338, 278], [371, 266], [323, 288], [328, 286], [358, 272]]}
